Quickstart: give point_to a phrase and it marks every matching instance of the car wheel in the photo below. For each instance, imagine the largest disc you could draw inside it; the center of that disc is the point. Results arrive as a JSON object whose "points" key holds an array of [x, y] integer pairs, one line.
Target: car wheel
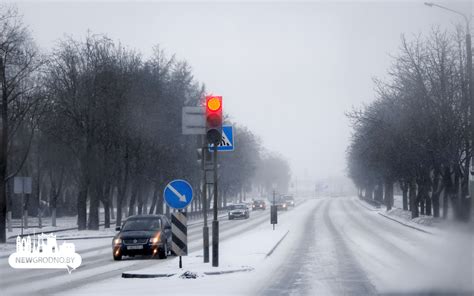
{"points": [[163, 252], [117, 257]]}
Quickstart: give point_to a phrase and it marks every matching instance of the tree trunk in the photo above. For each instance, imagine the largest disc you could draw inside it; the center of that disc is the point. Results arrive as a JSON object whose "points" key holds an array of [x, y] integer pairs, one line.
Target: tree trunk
{"points": [[388, 198], [378, 194], [140, 201], [435, 201], [437, 188], [94, 207], [3, 155], [133, 198], [368, 192], [54, 203], [111, 199], [448, 187], [121, 191], [404, 188], [413, 200], [154, 200], [106, 204], [82, 204], [427, 204]]}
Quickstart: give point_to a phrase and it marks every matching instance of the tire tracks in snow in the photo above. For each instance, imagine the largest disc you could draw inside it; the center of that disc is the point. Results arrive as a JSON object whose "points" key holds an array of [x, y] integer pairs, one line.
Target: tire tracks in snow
{"points": [[292, 275], [351, 278]]}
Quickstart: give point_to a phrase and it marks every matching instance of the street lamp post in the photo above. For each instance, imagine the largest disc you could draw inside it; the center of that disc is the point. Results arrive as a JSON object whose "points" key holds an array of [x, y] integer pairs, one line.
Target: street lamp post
{"points": [[469, 104]]}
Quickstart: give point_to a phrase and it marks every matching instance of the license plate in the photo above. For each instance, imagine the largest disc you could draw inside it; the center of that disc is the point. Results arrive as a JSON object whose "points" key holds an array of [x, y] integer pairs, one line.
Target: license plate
{"points": [[135, 247]]}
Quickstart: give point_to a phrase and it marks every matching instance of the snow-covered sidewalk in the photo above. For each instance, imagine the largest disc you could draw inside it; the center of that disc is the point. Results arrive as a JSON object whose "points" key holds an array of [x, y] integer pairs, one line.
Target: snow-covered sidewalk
{"points": [[427, 224]]}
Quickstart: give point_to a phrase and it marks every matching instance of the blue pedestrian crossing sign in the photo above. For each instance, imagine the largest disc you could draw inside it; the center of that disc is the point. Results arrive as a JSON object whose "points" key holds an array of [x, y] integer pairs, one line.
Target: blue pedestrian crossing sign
{"points": [[178, 194], [227, 141]]}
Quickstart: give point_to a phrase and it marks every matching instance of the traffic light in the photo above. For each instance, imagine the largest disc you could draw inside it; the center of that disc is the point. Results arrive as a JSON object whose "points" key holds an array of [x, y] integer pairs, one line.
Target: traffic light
{"points": [[214, 119]]}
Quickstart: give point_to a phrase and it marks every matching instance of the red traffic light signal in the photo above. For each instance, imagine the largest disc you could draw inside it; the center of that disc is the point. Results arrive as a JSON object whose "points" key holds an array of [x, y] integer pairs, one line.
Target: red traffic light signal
{"points": [[214, 119]]}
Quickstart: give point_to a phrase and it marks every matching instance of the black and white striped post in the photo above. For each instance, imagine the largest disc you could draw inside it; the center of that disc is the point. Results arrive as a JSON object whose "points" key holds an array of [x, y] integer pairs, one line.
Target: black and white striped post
{"points": [[179, 230]]}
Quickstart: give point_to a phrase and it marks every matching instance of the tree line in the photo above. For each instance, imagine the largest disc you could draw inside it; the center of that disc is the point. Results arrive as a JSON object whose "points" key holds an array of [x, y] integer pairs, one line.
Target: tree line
{"points": [[96, 124], [416, 134]]}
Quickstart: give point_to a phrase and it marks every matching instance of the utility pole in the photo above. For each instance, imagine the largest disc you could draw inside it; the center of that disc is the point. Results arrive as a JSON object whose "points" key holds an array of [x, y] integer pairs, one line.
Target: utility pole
{"points": [[205, 228]]}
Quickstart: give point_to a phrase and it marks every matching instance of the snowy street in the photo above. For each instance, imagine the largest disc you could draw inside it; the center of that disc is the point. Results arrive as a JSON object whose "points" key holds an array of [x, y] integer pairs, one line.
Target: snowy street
{"points": [[334, 246], [347, 249]]}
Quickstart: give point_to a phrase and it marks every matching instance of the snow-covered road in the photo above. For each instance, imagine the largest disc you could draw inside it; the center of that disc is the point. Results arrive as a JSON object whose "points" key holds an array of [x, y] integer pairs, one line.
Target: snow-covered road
{"points": [[332, 246], [347, 249], [98, 265]]}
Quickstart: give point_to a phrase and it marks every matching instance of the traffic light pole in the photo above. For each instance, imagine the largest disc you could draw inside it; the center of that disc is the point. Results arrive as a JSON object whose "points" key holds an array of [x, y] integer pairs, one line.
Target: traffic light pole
{"points": [[215, 222], [205, 228]]}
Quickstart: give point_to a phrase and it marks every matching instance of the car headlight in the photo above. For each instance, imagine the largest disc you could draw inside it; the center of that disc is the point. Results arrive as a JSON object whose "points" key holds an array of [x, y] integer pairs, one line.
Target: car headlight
{"points": [[155, 239], [117, 241]]}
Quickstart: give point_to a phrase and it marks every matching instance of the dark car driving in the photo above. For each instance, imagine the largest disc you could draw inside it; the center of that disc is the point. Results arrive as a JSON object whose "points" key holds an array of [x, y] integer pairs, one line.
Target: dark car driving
{"points": [[143, 235], [258, 205]]}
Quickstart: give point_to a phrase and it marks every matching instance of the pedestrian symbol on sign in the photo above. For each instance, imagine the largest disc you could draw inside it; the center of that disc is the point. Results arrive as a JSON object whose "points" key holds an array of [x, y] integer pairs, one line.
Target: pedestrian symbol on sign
{"points": [[227, 141]]}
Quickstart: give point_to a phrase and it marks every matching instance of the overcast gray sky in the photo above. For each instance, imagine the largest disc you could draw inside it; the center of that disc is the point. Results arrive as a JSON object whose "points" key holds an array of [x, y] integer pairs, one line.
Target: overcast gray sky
{"points": [[288, 71]]}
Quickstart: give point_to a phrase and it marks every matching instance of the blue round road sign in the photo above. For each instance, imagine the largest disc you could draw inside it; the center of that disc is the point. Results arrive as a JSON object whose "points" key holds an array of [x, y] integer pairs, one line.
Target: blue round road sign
{"points": [[178, 194]]}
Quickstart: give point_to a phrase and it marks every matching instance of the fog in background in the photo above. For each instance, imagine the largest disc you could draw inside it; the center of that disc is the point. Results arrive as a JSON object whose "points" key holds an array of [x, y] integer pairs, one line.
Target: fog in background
{"points": [[288, 71]]}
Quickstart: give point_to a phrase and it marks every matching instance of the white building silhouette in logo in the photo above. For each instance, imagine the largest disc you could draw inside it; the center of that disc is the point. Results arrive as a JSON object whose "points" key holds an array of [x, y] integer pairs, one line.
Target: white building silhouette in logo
{"points": [[44, 243]]}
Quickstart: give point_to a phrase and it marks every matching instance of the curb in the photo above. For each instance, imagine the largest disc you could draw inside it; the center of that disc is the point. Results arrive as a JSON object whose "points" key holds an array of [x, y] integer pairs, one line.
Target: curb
{"points": [[56, 230], [366, 205], [202, 221], [228, 271], [405, 224], [145, 276], [126, 275], [278, 243], [84, 237]]}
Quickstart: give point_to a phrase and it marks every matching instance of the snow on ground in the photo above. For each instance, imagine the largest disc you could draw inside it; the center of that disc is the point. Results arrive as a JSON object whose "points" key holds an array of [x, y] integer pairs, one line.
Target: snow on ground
{"points": [[401, 259], [246, 251], [334, 246], [425, 223]]}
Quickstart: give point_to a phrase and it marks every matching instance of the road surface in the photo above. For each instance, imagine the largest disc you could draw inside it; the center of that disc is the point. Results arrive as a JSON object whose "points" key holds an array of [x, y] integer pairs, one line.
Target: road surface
{"points": [[335, 246], [98, 265], [347, 248]]}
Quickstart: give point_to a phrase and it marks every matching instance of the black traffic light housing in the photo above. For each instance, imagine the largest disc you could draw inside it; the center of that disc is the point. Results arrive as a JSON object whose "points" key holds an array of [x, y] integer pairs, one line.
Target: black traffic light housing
{"points": [[214, 119]]}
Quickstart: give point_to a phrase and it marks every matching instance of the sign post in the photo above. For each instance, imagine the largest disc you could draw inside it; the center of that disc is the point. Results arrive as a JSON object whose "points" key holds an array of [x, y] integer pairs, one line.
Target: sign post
{"points": [[215, 222], [205, 228], [22, 185], [273, 210], [178, 194]]}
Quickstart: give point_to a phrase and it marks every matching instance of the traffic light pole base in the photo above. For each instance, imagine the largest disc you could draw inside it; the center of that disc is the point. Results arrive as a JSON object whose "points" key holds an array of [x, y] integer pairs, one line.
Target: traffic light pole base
{"points": [[215, 243]]}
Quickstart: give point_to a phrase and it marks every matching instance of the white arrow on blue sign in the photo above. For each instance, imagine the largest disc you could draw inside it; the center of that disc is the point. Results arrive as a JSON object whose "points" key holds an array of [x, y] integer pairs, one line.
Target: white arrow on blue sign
{"points": [[178, 194]]}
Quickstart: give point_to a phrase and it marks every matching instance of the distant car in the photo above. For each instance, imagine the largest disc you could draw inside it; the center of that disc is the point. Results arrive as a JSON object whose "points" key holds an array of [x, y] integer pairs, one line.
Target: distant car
{"points": [[238, 211], [282, 205], [258, 205], [290, 201], [143, 235]]}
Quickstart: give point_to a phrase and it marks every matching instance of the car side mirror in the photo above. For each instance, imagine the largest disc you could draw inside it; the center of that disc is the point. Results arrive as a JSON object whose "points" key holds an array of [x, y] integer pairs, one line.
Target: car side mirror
{"points": [[117, 228]]}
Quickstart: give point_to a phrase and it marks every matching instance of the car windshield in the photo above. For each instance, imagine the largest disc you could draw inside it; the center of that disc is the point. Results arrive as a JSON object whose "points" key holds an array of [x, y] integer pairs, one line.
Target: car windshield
{"points": [[145, 224], [237, 207]]}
